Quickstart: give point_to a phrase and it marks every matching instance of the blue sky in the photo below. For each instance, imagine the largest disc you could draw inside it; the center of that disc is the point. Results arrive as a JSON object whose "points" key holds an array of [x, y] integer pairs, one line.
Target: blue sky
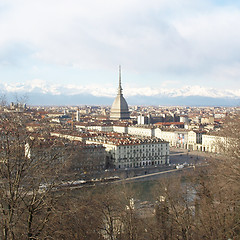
{"points": [[189, 47]]}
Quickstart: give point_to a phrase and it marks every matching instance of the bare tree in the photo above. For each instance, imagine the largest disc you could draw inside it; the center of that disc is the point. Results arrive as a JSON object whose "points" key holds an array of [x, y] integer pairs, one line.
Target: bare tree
{"points": [[27, 178], [21, 99], [224, 182], [75, 217], [3, 100], [174, 209]]}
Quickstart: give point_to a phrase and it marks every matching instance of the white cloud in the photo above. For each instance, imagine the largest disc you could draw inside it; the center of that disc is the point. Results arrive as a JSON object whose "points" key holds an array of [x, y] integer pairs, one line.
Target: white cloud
{"points": [[181, 38], [95, 33], [223, 72], [213, 35]]}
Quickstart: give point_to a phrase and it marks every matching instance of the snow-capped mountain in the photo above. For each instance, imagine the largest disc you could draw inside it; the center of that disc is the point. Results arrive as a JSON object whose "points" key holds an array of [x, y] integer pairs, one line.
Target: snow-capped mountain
{"points": [[40, 92]]}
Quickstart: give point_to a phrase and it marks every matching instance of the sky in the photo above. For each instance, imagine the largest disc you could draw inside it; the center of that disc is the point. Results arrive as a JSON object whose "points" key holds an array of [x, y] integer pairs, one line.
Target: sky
{"points": [[165, 47]]}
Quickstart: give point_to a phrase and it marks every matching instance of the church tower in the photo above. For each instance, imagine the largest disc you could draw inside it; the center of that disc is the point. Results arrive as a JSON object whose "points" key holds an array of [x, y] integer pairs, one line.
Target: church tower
{"points": [[119, 108]]}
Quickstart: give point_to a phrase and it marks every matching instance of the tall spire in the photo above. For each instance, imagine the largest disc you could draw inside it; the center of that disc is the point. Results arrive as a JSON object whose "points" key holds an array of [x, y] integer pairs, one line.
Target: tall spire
{"points": [[120, 84], [119, 109]]}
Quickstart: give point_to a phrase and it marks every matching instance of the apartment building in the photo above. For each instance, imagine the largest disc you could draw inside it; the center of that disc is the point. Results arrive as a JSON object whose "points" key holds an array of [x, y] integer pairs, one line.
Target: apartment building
{"points": [[126, 151]]}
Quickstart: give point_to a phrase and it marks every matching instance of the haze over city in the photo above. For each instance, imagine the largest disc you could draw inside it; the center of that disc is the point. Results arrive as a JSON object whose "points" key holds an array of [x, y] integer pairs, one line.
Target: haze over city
{"points": [[171, 52]]}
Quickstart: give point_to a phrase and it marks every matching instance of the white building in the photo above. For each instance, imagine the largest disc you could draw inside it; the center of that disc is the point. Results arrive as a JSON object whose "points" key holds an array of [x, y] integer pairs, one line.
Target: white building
{"points": [[176, 138], [184, 119], [120, 129], [207, 120], [141, 131], [132, 152], [141, 120], [211, 143], [77, 116], [71, 137], [195, 140], [103, 128]]}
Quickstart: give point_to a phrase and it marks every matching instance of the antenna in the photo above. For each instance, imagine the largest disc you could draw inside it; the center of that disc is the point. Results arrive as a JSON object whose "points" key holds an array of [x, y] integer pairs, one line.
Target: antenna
{"points": [[120, 84]]}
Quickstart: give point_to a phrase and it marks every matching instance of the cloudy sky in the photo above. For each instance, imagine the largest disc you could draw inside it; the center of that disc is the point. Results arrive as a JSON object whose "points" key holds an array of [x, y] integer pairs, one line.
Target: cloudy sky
{"points": [[189, 47]]}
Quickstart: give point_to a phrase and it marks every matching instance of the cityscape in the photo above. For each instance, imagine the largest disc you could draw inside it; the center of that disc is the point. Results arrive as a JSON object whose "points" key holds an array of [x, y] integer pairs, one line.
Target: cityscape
{"points": [[74, 148], [119, 120]]}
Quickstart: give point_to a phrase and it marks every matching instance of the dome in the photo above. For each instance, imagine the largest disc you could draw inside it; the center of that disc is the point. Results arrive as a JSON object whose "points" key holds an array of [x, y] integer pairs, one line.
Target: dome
{"points": [[119, 108]]}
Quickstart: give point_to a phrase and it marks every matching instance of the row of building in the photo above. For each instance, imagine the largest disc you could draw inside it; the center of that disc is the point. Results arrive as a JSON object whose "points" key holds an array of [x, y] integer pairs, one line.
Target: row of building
{"points": [[188, 139], [123, 150]]}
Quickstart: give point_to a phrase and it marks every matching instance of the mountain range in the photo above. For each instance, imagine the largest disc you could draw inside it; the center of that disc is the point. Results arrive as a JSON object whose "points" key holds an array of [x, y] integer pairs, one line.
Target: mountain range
{"points": [[88, 99], [40, 93]]}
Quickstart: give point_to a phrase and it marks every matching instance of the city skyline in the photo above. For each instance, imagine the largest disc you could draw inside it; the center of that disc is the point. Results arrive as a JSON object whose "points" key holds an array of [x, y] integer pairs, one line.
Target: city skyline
{"points": [[167, 49]]}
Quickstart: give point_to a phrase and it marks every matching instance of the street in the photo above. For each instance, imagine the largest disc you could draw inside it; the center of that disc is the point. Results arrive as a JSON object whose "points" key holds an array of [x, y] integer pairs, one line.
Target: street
{"points": [[180, 156]]}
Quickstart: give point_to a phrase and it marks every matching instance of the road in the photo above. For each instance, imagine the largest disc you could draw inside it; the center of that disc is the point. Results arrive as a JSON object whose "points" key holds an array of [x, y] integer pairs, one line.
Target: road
{"points": [[180, 156], [152, 176], [147, 177]]}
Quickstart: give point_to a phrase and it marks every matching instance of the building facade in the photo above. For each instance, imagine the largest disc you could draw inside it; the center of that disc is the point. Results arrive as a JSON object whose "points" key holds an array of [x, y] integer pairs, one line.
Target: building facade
{"points": [[127, 152]]}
